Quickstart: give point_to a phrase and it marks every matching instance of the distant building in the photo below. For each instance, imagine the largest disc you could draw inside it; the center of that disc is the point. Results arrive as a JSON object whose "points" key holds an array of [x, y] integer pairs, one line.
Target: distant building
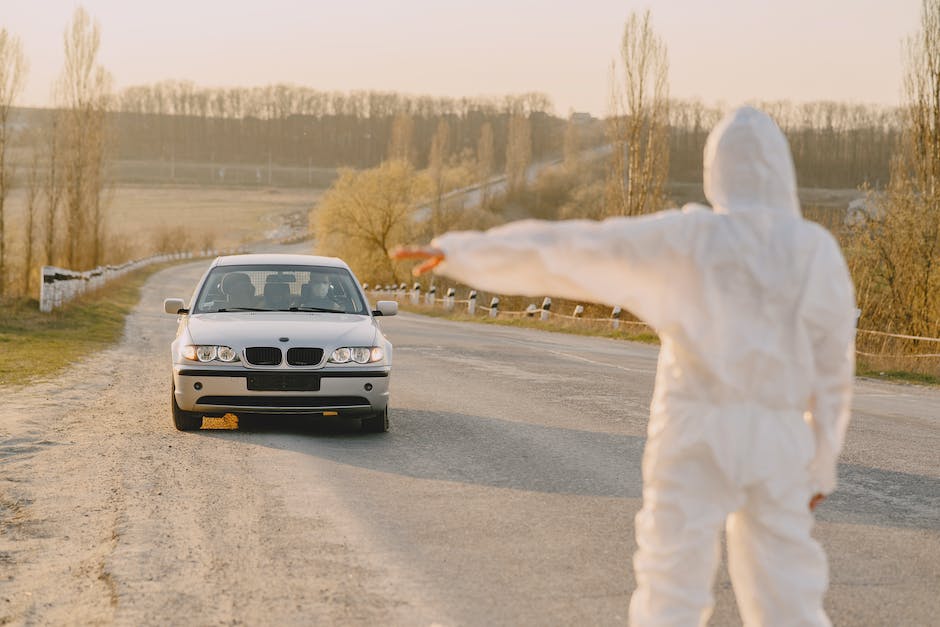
{"points": [[581, 117]]}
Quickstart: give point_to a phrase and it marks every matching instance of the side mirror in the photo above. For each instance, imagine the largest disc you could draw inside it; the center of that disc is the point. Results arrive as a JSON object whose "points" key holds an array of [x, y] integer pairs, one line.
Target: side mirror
{"points": [[174, 306], [385, 308]]}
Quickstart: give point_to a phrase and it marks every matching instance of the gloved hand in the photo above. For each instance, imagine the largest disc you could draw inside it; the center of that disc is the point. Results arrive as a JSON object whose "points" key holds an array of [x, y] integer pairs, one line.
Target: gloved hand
{"points": [[433, 257]]}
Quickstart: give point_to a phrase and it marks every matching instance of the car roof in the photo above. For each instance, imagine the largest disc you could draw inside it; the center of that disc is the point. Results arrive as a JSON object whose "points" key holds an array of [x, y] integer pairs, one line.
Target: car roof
{"points": [[265, 259]]}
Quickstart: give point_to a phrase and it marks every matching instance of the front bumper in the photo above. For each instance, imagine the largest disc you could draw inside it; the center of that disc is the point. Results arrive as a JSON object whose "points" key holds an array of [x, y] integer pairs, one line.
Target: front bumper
{"points": [[342, 392]]}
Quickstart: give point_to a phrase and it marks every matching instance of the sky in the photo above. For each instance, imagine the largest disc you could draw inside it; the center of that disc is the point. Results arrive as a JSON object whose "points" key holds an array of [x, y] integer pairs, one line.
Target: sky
{"points": [[720, 51]]}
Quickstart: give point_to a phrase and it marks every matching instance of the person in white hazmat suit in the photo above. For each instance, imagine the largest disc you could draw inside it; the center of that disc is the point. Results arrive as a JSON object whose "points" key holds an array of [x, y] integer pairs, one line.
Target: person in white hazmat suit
{"points": [[755, 311]]}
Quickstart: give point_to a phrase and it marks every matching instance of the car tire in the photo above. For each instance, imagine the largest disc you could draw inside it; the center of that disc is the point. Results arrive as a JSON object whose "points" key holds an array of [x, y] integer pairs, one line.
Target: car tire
{"points": [[377, 423], [184, 420]]}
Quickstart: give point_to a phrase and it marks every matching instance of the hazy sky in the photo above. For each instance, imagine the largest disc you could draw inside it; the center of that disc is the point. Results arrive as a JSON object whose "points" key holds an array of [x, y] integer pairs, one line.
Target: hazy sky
{"points": [[719, 50]]}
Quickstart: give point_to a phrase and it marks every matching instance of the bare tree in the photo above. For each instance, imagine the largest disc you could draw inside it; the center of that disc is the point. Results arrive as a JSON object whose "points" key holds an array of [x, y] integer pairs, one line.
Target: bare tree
{"points": [[639, 120], [12, 71], [486, 155], [366, 214], [84, 91], [437, 162], [400, 142], [33, 187], [51, 183], [518, 153], [572, 147], [896, 255]]}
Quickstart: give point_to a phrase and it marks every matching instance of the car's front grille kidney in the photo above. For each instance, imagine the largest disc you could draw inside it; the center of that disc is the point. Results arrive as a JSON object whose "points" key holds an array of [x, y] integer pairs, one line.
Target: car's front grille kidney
{"points": [[304, 356], [263, 355]]}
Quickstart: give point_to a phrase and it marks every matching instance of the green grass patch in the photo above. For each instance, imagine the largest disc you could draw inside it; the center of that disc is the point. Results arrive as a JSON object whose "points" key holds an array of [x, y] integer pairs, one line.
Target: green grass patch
{"points": [[587, 328], [36, 345], [902, 376]]}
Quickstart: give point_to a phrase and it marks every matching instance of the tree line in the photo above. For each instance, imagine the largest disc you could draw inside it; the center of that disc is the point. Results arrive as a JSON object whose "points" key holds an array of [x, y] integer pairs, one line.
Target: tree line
{"points": [[834, 144], [300, 126]]}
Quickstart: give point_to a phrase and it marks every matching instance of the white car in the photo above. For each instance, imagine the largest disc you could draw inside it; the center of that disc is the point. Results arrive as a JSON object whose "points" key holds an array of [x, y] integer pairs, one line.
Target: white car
{"points": [[280, 334]]}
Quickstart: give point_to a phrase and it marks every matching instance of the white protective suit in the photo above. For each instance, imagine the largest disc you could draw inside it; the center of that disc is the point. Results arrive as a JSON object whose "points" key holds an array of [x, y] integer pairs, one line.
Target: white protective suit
{"points": [[755, 310]]}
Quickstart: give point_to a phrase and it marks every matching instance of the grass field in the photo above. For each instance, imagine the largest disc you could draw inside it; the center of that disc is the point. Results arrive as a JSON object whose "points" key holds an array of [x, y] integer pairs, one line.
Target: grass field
{"points": [[221, 216], [142, 220], [231, 216]]}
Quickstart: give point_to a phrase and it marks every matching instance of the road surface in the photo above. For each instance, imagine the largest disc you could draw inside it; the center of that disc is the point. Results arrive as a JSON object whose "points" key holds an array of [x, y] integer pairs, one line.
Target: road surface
{"points": [[503, 495]]}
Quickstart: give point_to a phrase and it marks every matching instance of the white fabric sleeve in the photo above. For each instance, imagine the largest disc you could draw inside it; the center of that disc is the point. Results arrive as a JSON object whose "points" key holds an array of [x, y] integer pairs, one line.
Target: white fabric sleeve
{"points": [[831, 317], [619, 261]]}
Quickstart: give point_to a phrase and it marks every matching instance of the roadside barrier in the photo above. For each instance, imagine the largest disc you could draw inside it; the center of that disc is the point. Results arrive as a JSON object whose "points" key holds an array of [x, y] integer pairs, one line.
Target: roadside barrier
{"points": [[449, 302], [901, 337], [545, 312], [60, 285]]}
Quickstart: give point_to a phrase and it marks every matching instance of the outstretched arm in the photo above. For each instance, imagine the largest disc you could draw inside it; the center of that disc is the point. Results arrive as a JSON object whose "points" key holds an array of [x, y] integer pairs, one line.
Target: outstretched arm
{"points": [[620, 261]]}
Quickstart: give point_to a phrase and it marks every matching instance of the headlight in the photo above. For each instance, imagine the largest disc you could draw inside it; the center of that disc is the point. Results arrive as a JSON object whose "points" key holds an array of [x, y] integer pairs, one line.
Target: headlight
{"points": [[341, 356], [361, 355], [357, 354], [207, 352]]}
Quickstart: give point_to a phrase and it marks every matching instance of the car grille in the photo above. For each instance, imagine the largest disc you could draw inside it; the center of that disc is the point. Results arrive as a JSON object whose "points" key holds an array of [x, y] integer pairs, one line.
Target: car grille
{"points": [[304, 356], [263, 355], [284, 401]]}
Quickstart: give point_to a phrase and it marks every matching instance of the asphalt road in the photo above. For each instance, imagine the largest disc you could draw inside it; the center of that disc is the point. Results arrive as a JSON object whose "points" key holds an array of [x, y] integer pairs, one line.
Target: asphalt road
{"points": [[503, 495]]}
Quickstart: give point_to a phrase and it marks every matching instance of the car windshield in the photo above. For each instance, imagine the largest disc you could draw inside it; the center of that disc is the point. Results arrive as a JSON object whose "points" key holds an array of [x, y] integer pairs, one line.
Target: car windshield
{"points": [[280, 288]]}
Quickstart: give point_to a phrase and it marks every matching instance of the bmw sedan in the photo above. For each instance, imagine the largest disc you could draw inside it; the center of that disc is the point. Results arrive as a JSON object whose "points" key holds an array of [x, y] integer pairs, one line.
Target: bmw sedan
{"points": [[280, 334]]}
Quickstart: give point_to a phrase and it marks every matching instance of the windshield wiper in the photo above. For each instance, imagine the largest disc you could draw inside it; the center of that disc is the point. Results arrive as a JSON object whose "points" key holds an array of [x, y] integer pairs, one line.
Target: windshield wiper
{"points": [[323, 309], [225, 309]]}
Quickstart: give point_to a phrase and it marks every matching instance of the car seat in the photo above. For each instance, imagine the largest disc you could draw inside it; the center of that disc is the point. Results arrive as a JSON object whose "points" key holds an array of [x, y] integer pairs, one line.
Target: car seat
{"points": [[277, 295]]}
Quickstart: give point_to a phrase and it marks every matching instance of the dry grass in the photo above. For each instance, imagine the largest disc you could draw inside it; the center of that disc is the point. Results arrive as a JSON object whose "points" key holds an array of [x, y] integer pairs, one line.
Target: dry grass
{"points": [[229, 216]]}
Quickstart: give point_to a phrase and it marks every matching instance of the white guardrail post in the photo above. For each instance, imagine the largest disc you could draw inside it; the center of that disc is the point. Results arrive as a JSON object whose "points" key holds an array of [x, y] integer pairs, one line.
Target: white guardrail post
{"points": [[546, 309], [59, 285], [472, 302]]}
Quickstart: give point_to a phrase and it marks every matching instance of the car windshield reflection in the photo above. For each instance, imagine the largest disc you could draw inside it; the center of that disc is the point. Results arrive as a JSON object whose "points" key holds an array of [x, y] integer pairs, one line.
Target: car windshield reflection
{"points": [[287, 288]]}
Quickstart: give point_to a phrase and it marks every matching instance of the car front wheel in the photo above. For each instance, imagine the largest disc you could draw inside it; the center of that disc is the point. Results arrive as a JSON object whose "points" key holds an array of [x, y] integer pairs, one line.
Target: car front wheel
{"points": [[184, 420], [377, 423]]}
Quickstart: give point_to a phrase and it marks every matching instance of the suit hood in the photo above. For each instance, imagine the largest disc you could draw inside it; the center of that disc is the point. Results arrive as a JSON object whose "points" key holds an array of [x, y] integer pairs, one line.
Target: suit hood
{"points": [[748, 166]]}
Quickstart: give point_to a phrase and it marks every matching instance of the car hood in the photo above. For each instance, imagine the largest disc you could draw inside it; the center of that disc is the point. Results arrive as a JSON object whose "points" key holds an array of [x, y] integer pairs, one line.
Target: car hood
{"points": [[242, 329]]}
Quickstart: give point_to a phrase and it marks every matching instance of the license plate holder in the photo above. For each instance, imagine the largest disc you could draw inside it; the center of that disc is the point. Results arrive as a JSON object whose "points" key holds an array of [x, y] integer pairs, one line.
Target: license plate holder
{"points": [[277, 382]]}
